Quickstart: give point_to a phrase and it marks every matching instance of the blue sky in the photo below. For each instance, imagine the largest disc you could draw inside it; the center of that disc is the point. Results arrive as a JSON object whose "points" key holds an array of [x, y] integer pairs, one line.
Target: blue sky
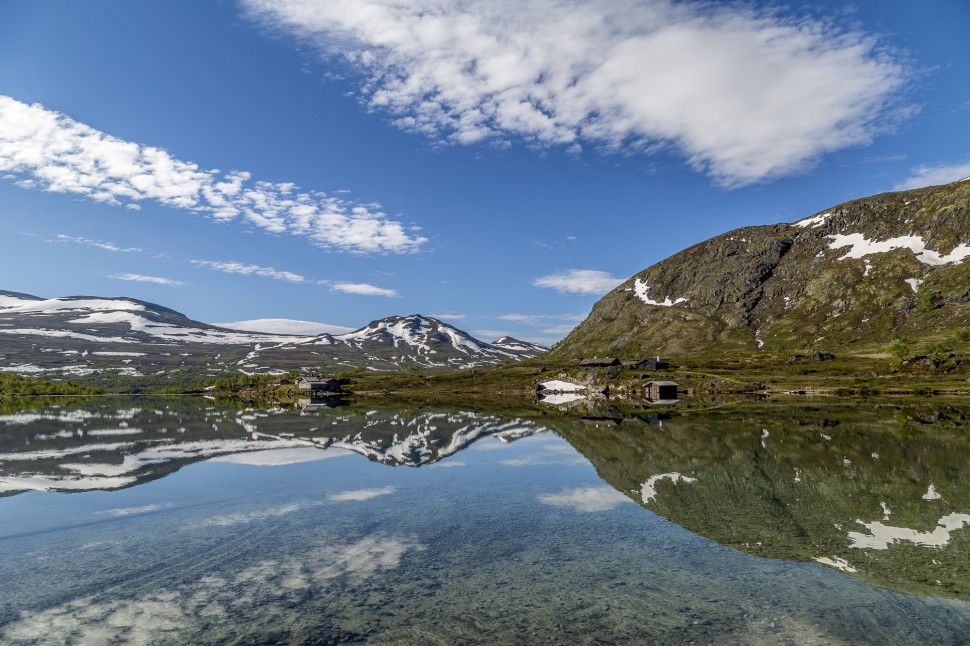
{"points": [[499, 164]]}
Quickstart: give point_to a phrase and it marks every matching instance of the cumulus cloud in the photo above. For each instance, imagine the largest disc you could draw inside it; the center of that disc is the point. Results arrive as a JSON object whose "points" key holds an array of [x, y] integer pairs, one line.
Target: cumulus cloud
{"points": [[933, 175], [579, 281], [585, 499], [40, 148], [743, 94], [233, 267], [139, 278], [99, 244], [361, 494], [363, 289]]}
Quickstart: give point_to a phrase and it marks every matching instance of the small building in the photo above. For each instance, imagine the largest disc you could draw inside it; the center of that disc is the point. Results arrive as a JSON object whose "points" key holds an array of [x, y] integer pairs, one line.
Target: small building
{"points": [[651, 363], [596, 362], [661, 390], [318, 385]]}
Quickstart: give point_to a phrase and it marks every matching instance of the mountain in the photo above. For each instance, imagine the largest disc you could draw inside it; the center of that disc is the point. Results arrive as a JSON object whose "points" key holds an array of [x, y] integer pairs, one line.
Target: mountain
{"points": [[514, 345], [848, 279], [93, 337]]}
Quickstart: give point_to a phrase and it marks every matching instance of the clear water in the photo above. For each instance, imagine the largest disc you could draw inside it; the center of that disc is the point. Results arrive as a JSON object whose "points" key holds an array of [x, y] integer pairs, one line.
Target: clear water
{"points": [[249, 526]]}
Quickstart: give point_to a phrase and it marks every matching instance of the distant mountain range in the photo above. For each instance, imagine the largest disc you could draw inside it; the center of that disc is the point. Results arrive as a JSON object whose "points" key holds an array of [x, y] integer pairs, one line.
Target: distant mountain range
{"points": [[848, 279], [87, 336]]}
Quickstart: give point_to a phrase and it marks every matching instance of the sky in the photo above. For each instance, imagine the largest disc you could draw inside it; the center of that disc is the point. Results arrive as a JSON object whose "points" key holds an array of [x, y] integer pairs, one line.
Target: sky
{"points": [[500, 165]]}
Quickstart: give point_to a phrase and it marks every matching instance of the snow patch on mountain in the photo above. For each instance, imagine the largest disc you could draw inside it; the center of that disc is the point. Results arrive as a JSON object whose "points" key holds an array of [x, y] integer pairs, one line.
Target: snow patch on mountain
{"points": [[172, 332], [815, 221], [511, 343], [861, 246], [73, 304], [640, 288]]}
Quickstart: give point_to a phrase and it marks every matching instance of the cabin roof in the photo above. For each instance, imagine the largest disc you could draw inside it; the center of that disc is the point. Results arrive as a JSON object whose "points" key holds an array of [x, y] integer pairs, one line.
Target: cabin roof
{"points": [[599, 361]]}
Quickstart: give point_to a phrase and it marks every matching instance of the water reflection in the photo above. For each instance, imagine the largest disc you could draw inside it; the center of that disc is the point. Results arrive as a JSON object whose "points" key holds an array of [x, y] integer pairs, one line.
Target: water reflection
{"points": [[881, 493], [99, 445], [270, 527]]}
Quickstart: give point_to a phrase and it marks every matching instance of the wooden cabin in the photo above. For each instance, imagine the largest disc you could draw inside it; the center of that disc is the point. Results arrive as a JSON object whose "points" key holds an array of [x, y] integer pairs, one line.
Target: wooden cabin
{"points": [[650, 363], [596, 362], [661, 390], [318, 385]]}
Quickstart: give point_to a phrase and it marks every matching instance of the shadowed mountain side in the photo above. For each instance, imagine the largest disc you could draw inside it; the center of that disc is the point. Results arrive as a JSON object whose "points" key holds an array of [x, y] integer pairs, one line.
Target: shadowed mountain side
{"points": [[883, 494]]}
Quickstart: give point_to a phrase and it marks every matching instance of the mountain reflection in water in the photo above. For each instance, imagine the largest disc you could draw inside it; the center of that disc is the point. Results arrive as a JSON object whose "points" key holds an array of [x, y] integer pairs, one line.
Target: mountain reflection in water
{"points": [[253, 536]]}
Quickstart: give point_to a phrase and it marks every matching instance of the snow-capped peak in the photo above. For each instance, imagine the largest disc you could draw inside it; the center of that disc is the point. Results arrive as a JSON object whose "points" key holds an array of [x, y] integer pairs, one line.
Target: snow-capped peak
{"points": [[416, 331], [513, 344]]}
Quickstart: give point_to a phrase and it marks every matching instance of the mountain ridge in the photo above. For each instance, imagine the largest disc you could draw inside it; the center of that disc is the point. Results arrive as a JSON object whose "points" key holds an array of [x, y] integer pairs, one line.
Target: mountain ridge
{"points": [[82, 336], [853, 277]]}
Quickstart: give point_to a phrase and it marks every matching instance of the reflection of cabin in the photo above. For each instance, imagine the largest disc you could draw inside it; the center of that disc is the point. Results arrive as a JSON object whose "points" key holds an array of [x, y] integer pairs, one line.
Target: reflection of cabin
{"points": [[318, 385], [311, 403], [650, 363], [661, 390], [593, 420], [599, 363]]}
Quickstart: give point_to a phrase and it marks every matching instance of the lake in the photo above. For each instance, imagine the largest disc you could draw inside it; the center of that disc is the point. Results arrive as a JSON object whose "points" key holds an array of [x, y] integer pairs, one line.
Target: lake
{"points": [[183, 520]]}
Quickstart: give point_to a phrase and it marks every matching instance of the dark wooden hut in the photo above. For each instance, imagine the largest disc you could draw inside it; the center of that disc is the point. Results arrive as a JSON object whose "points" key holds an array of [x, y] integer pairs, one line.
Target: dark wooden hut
{"points": [[661, 390]]}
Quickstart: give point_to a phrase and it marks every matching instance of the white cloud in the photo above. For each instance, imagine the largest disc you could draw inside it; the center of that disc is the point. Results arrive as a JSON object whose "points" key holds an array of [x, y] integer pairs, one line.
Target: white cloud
{"points": [[129, 511], [540, 319], [933, 175], [232, 267], [48, 150], [228, 520], [448, 317], [585, 499], [100, 244], [286, 326], [361, 494], [557, 330], [450, 464], [532, 460], [139, 278], [579, 281], [281, 457], [363, 289], [257, 593], [743, 94]]}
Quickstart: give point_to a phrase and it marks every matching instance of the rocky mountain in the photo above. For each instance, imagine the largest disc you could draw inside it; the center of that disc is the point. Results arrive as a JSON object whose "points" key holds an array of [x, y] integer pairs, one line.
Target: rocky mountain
{"points": [[848, 279], [87, 336]]}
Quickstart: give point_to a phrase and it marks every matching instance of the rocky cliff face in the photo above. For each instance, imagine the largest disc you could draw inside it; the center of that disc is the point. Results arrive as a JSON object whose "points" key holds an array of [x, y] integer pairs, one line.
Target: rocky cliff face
{"points": [[851, 278]]}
